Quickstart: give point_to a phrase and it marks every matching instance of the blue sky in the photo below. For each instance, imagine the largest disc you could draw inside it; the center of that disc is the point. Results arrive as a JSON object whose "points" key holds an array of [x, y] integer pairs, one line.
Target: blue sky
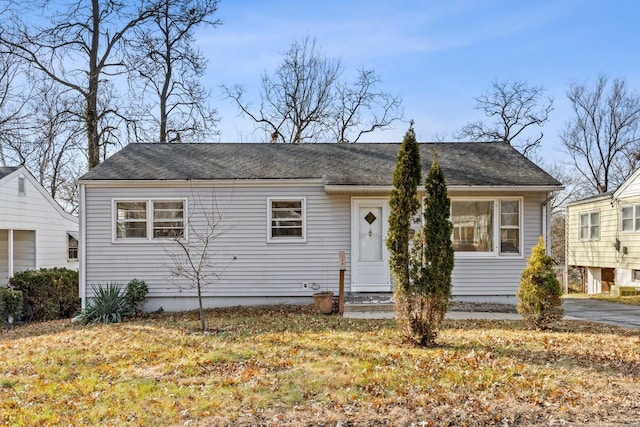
{"points": [[438, 55]]}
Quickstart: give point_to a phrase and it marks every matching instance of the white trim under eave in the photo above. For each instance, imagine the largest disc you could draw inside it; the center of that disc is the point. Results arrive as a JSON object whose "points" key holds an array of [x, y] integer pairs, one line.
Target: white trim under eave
{"points": [[386, 189], [158, 183]]}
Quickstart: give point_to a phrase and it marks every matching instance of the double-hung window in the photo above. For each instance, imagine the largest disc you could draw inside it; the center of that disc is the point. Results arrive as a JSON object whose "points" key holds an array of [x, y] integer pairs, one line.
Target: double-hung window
{"points": [[286, 220], [590, 225], [168, 219], [131, 220], [72, 248], [630, 218], [487, 226], [148, 219], [509, 226]]}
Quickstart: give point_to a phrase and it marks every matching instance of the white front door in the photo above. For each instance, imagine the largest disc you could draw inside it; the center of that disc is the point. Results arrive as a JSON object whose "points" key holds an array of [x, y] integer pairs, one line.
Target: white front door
{"points": [[369, 256]]}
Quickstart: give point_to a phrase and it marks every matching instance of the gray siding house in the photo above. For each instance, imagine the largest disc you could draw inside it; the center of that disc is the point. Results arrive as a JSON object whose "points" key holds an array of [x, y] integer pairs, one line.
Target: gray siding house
{"points": [[284, 212]]}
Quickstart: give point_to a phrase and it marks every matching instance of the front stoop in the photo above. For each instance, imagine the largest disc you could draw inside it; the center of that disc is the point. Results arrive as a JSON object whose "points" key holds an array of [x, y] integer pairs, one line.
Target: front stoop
{"points": [[368, 303]]}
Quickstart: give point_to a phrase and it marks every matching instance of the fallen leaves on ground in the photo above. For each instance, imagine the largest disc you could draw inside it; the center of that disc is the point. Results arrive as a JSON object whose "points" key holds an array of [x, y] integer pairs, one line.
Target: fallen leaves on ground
{"points": [[287, 366]]}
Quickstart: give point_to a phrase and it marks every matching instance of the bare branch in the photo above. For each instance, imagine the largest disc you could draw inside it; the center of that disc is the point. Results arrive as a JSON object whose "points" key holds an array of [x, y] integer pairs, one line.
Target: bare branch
{"points": [[304, 100], [603, 139], [515, 109]]}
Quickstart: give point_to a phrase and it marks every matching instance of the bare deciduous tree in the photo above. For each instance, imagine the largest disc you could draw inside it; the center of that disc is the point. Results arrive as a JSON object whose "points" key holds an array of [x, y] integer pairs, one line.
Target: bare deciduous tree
{"points": [[361, 108], [304, 100], [602, 138], [79, 46], [166, 65], [48, 139], [195, 259], [515, 108], [12, 106]]}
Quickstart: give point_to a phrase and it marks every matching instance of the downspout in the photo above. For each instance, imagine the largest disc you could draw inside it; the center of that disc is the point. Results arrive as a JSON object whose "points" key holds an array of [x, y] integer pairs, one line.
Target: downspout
{"points": [[82, 276], [10, 253], [545, 215], [565, 272]]}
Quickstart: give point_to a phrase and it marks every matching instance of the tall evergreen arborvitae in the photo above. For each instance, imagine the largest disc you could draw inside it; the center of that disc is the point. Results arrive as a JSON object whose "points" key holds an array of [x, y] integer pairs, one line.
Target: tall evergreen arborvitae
{"points": [[432, 261], [438, 248], [403, 204]]}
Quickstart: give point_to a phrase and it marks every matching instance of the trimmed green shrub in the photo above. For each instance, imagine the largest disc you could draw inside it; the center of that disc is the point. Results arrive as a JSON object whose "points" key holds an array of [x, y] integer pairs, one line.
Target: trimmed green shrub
{"points": [[11, 303], [135, 296], [108, 305], [539, 293], [51, 292]]}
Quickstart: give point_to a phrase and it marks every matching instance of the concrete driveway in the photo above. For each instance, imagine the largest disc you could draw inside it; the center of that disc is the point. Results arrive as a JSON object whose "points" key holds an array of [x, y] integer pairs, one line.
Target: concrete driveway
{"points": [[627, 316]]}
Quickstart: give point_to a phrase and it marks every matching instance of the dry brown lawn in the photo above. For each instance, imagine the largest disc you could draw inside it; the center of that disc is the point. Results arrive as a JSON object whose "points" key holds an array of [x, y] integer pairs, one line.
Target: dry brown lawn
{"points": [[287, 366]]}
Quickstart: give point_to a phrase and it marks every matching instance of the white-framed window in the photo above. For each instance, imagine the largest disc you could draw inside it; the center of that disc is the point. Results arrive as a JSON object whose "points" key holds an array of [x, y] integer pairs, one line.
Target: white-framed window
{"points": [[630, 218], [286, 219], [22, 186], [509, 227], [72, 248], [636, 275], [131, 219], [590, 225], [487, 226], [168, 218], [142, 220]]}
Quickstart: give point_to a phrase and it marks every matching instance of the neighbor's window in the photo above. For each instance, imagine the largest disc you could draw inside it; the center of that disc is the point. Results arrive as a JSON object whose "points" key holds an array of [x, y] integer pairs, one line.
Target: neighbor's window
{"points": [[131, 220], [630, 218], [286, 219], [472, 225], [636, 275], [72, 248], [168, 218], [509, 226], [590, 225]]}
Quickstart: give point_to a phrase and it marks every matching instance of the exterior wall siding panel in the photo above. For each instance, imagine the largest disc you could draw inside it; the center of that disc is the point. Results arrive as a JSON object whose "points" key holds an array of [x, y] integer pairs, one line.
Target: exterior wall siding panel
{"points": [[260, 268]]}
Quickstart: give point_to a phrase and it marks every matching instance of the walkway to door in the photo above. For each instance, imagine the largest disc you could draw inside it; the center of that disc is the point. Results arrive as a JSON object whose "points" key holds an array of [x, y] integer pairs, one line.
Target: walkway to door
{"points": [[624, 315]]}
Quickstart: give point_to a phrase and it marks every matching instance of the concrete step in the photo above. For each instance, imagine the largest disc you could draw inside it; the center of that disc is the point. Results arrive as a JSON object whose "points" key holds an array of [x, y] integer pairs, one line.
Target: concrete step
{"points": [[367, 307]]}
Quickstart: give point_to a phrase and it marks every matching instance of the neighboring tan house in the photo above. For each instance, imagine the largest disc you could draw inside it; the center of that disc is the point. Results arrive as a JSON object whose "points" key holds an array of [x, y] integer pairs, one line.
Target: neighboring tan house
{"points": [[603, 239], [285, 211], [35, 232]]}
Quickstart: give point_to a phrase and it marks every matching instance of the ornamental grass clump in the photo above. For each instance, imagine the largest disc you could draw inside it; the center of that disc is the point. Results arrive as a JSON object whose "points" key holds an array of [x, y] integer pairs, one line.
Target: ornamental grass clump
{"points": [[539, 294], [108, 305]]}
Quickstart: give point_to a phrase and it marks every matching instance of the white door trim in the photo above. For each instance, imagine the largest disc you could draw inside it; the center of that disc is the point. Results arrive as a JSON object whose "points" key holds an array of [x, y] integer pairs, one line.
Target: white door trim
{"points": [[380, 281]]}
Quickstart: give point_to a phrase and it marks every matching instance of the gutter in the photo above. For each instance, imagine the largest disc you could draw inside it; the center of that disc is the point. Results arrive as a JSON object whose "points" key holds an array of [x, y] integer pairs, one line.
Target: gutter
{"points": [[377, 189]]}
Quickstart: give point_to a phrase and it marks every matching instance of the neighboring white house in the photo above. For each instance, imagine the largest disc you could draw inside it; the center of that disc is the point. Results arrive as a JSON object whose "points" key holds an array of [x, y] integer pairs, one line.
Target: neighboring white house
{"points": [[285, 211], [603, 239], [35, 232]]}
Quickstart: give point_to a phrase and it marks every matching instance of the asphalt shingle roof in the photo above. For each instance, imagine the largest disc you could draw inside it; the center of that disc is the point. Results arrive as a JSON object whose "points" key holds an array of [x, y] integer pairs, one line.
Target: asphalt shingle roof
{"points": [[7, 170], [474, 164]]}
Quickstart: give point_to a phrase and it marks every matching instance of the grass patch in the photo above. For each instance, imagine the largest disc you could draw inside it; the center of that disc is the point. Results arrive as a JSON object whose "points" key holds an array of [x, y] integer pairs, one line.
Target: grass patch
{"points": [[631, 300], [287, 366]]}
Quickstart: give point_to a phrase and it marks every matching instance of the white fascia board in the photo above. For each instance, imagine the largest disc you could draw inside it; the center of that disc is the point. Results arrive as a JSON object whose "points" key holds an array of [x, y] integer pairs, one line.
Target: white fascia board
{"points": [[596, 198], [202, 183], [380, 189]]}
